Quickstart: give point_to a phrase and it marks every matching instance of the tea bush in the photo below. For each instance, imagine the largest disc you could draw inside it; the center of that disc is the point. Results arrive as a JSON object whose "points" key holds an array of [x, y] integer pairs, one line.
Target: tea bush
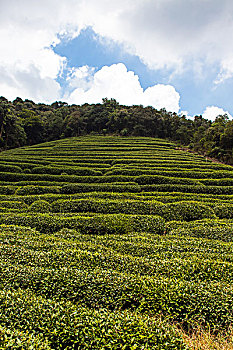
{"points": [[106, 242]]}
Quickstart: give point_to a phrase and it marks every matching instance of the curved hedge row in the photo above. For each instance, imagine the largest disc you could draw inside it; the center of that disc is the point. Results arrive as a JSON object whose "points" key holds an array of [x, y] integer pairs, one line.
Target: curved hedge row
{"points": [[186, 211], [97, 224], [112, 231]]}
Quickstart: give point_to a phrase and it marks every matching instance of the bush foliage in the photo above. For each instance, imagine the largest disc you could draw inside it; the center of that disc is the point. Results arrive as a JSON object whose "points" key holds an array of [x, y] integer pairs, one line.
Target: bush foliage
{"points": [[109, 242]]}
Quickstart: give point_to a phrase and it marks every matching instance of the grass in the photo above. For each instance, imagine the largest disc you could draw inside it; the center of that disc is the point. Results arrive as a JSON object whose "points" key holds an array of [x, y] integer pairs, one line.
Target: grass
{"points": [[202, 339]]}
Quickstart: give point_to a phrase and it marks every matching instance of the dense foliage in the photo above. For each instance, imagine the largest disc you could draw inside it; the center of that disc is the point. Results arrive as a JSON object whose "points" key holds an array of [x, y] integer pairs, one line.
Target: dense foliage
{"points": [[28, 123], [113, 243]]}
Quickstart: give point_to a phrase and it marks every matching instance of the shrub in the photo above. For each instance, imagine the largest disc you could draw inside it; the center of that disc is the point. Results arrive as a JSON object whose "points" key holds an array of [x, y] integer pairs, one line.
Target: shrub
{"points": [[113, 187], [31, 189], [105, 206], [40, 206], [224, 211], [68, 170], [97, 224]]}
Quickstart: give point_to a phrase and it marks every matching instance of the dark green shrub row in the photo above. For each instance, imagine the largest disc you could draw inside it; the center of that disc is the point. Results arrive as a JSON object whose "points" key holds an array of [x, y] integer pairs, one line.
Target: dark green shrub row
{"points": [[211, 229], [10, 168], [13, 205], [25, 179], [64, 169], [111, 187], [31, 189], [157, 179], [217, 182], [7, 190], [58, 163], [153, 164], [98, 224], [85, 160], [175, 211], [188, 189], [162, 197], [173, 172], [185, 211], [11, 177], [183, 196], [224, 211], [50, 197], [18, 184], [78, 179], [105, 206], [20, 164], [40, 206]]}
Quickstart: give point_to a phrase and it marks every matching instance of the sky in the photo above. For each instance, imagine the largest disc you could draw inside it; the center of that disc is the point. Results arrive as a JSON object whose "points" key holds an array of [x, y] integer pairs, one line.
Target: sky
{"points": [[173, 54]]}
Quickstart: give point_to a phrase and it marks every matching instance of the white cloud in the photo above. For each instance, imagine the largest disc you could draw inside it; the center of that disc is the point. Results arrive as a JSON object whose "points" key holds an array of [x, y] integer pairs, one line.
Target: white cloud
{"points": [[212, 112], [175, 34], [81, 77], [28, 65], [186, 114], [116, 82], [171, 34]]}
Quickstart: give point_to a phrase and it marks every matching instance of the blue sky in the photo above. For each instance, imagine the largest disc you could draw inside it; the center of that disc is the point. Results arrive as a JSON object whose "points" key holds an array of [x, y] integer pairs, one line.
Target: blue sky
{"points": [[175, 54], [195, 93]]}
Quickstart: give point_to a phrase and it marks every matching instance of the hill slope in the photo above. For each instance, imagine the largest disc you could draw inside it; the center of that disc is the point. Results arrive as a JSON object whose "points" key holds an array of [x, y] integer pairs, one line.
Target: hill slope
{"points": [[106, 242]]}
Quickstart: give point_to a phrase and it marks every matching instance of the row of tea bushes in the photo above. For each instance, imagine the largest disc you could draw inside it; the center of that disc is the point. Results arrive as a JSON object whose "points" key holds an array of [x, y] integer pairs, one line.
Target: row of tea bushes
{"points": [[85, 271], [211, 229], [46, 324], [65, 187], [186, 211], [97, 224], [90, 261], [55, 170]]}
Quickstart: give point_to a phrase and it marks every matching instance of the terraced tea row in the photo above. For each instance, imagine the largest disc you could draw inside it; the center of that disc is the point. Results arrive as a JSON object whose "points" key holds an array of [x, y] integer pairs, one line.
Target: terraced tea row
{"points": [[105, 236]]}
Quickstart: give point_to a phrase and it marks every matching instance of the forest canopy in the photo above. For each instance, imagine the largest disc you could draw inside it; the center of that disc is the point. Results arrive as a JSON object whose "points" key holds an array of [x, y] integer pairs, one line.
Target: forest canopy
{"points": [[27, 123]]}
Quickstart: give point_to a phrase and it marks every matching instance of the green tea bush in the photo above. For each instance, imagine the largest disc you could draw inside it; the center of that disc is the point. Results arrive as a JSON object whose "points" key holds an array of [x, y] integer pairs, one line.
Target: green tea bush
{"points": [[31, 189], [13, 205], [105, 206], [112, 187], [157, 179], [98, 224], [218, 190], [224, 211], [10, 168], [211, 229], [40, 206], [7, 190], [68, 170], [46, 324], [88, 264]]}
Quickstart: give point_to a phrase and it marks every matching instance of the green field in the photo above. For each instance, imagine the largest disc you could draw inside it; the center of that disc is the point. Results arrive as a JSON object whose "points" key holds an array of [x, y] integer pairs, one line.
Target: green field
{"points": [[113, 243]]}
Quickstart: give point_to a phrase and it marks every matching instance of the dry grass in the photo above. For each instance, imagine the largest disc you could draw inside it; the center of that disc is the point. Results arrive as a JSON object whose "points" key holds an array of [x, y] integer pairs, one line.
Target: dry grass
{"points": [[204, 340]]}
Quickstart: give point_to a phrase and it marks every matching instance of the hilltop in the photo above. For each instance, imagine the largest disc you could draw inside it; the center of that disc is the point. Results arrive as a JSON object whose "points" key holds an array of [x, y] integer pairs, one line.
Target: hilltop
{"points": [[27, 123]]}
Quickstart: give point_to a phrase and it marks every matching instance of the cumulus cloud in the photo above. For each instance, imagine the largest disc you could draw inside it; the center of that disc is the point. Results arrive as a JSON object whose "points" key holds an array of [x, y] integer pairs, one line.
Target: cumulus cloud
{"points": [[116, 82], [28, 65], [166, 34], [212, 112], [174, 34]]}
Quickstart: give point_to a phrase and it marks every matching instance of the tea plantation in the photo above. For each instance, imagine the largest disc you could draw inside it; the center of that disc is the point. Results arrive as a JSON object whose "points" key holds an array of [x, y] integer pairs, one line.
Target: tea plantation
{"points": [[113, 243]]}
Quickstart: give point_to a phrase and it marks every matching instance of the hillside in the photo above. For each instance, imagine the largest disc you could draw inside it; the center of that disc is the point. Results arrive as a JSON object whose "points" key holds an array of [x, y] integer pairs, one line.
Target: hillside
{"points": [[27, 123], [113, 243]]}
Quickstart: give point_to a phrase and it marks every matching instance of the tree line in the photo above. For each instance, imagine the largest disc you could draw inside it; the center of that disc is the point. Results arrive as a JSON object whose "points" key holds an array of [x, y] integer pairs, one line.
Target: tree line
{"points": [[27, 123]]}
